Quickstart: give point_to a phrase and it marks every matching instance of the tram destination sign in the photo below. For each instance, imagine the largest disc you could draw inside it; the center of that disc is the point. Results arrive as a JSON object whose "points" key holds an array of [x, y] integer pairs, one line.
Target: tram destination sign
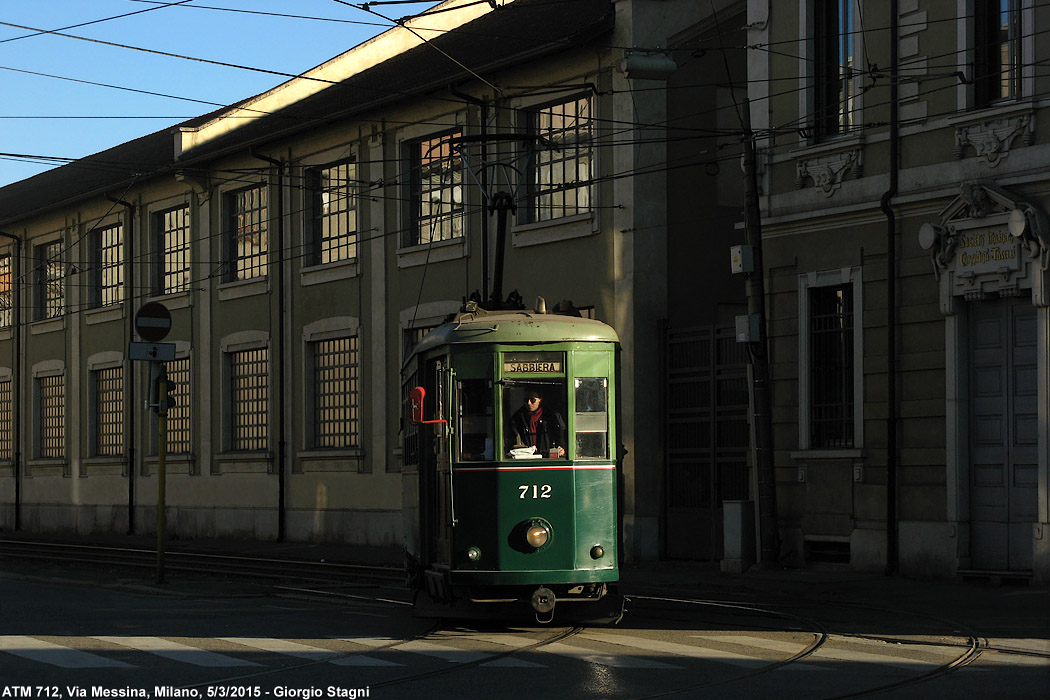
{"points": [[533, 363]]}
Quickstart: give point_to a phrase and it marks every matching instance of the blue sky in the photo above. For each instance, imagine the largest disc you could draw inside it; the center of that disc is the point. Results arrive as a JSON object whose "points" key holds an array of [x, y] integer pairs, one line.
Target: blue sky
{"points": [[57, 117]]}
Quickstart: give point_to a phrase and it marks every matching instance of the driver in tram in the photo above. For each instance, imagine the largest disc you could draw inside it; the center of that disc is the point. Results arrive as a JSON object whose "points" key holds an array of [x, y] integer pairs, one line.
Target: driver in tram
{"points": [[537, 427]]}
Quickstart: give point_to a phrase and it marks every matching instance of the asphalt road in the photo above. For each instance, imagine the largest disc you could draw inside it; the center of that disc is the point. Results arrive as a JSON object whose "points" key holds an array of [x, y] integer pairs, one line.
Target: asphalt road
{"points": [[200, 639]]}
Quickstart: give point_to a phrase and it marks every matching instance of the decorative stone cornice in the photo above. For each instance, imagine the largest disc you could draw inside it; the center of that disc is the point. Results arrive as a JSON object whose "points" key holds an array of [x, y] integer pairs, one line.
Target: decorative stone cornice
{"points": [[994, 134], [828, 170]]}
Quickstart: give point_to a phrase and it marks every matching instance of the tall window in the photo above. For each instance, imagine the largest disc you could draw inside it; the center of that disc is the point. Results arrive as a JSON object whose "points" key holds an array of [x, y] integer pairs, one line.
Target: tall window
{"points": [[435, 194], [172, 232], [110, 265], [997, 44], [109, 411], [248, 233], [834, 68], [51, 294], [6, 291], [333, 212], [179, 414], [831, 367], [249, 399], [335, 389], [51, 435], [562, 170], [6, 420]]}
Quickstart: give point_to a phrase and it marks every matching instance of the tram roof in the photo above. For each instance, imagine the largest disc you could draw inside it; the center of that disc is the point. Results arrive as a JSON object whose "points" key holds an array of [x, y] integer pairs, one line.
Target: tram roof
{"points": [[525, 326]]}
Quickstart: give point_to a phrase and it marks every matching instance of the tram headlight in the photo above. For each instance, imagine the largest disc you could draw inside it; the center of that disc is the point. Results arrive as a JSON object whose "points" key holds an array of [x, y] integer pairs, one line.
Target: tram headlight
{"points": [[474, 554], [537, 534], [597, 551]]}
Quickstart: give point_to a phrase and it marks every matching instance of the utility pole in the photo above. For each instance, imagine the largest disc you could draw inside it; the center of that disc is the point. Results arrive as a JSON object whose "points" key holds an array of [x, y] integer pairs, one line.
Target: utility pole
{"points": [[758, 354]]}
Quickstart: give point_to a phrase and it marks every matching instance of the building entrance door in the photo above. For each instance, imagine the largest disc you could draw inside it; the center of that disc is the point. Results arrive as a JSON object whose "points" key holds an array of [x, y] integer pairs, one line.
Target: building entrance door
{"points": [[1003, 434]]}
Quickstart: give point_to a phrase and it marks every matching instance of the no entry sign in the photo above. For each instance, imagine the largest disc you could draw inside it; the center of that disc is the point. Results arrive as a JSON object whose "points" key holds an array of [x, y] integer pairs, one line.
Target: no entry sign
{"points": [[153, 321]]}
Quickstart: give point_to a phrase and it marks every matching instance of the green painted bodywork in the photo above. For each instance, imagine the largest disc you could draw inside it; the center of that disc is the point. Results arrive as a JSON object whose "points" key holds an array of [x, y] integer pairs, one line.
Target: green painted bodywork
{"points": [[493, 499]]}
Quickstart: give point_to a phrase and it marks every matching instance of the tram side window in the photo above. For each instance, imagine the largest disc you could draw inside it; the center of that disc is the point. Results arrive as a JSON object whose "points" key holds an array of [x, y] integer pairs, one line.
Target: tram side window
{"points": [[592, 418], [476, 424]]}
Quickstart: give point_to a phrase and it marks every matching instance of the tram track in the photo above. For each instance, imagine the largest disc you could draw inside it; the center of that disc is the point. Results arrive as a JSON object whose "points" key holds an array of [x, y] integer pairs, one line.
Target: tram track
{"points": [[271, 569], [970, 648]]}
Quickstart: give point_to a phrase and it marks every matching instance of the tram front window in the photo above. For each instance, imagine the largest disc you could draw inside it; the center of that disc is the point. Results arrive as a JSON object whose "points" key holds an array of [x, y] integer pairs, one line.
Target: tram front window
{"points": [[476, 425], [534, 420]]}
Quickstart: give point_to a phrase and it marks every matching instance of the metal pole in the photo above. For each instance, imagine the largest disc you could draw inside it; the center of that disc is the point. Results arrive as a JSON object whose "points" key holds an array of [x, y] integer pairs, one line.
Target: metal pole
{"points": [[162, 451], [759, 358]]}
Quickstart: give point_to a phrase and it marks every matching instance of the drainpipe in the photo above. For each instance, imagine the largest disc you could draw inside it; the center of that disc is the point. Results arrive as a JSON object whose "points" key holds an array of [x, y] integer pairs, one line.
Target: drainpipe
{"points": [[282, 495], [17, 362], [129, 389], [892, 534]]}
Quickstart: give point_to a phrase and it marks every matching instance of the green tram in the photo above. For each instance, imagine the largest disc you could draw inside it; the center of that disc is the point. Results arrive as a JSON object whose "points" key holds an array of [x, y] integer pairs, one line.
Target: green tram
{"points": [[504, 508]]}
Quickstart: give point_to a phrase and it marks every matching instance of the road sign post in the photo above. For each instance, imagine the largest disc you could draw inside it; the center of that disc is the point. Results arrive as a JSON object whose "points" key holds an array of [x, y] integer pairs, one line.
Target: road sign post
{"points": [[152, 322]]}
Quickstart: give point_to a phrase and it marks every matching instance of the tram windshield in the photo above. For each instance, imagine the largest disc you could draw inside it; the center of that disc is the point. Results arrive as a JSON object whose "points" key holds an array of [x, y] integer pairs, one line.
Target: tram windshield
{"points": [[534, 419]]}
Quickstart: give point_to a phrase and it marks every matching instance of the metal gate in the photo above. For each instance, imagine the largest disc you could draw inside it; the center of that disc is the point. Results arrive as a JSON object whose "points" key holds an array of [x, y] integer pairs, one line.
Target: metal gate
{"points": [[705, 414]]}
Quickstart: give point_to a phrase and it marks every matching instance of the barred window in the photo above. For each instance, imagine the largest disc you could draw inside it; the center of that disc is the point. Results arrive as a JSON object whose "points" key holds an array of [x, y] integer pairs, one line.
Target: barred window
{"points": [[50, 280], [831, 359], [249, 394], [109, 411], [334, 212], [563, 167], [6, 296], [179, 414], [52, 423], [6, 420], [172, 229], [436, 196], [110, 268], [248, 233], [336, 392]]}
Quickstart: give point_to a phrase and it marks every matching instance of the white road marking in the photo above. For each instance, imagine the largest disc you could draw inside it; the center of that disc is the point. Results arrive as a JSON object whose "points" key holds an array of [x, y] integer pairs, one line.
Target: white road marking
{"points": [[451, 654], [575, 652], [176, 651], [55, 654]]}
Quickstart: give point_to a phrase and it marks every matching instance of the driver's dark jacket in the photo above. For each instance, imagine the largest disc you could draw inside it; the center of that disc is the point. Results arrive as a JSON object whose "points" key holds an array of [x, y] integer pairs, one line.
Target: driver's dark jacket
{"points": [[550, 430]]}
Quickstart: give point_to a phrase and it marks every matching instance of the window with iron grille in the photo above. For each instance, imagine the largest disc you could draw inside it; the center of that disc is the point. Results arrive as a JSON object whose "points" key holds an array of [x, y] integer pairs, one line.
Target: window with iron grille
{"points": [[179, 414], [831, 367], [249, 397], [110, 265], [6, 420], [51, 392], [247, 227], [335, 392], [109, 411], [172, 231], [6, 295], [50, 272], [562, 169], [997, 51], [834, 67], [333, 208], [435, 198]]}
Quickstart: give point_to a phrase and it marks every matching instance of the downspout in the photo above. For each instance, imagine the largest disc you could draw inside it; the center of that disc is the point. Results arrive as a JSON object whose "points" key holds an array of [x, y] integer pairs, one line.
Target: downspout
{"points": [[892, 533], [484, 184], [129, 388], [282, 495], [17, 360]]}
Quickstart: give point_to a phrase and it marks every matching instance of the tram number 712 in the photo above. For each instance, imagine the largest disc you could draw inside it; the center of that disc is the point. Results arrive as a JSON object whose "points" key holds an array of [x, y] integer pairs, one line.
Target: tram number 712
{"points": [[534, 491]]}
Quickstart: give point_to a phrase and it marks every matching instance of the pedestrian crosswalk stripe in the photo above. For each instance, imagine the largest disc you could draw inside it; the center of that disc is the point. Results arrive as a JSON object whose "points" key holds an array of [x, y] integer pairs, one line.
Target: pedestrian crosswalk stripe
{"points": [[825, 653], [576, 652], [447, 653], [284, 646], [177, 652], [55, 654]]}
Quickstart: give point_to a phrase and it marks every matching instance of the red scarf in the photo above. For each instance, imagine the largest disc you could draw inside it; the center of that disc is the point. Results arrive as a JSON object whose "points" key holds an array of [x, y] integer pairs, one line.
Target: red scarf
{"points": [[534, 420]]}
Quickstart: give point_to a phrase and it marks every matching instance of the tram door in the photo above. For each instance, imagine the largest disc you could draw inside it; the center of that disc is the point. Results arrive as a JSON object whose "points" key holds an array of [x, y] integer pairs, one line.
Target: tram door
{"points": [[437, 515], [1003, 434]]}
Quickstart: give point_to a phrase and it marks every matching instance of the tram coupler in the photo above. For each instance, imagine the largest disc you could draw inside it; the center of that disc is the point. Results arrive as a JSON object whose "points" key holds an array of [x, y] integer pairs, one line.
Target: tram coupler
{"points": [[543, 601]]}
